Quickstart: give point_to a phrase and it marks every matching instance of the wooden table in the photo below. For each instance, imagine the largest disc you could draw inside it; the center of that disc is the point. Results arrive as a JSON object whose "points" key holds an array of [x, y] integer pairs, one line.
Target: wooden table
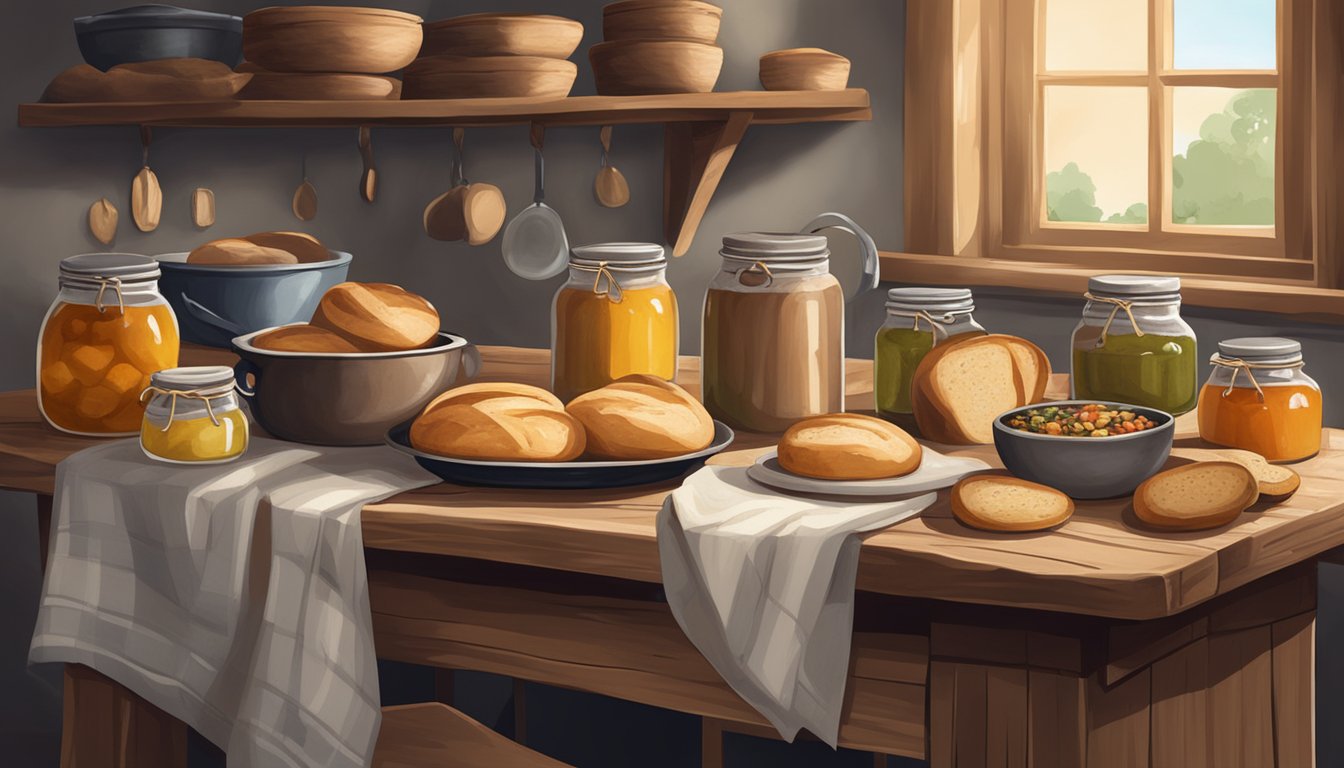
{"points": [[1100, 643]]}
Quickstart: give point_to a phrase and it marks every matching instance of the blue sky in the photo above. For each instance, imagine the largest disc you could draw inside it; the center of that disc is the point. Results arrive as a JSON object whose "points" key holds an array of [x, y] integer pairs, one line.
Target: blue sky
{"points": [[1224, 34]]}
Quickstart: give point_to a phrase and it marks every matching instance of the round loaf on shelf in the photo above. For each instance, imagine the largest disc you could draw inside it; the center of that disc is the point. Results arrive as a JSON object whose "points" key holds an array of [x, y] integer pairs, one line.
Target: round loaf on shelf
{"points": [[164, 80], [503, 34], [234, 251], [642, 417], [848, 446], [303, 338], [499, 427], [377, 317]]}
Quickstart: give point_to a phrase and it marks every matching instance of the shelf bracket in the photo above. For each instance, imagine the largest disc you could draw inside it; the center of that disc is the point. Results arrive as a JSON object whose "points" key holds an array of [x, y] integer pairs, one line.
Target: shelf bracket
{"points": [[695, 156]]}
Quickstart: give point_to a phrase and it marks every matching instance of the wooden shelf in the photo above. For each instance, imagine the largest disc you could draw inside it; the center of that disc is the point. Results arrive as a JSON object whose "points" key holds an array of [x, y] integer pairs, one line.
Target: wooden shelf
{"points": [[702, 129]]}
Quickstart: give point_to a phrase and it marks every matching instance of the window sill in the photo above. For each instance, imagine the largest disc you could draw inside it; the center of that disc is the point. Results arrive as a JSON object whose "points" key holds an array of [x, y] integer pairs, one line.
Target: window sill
{"points": [[1299, 298]]}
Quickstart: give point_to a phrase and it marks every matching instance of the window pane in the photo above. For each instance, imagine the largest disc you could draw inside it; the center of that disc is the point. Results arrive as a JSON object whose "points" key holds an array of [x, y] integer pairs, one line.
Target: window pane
{"points": [[1096, 35], [1096, 154], [1222, 169], [1224, 34]]}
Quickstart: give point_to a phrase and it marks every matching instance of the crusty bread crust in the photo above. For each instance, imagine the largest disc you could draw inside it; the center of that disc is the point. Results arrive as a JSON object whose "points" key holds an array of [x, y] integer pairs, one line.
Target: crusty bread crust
{"points": [[302, 338], [377, 317], [235, 251], [848, 446], [305, 247], [500, 428], [642, 417], [485, 390]]}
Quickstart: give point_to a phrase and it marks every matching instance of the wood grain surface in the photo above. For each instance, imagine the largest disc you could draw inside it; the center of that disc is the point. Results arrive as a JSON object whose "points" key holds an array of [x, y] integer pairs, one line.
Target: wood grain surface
{"points": [[1100, 562]]}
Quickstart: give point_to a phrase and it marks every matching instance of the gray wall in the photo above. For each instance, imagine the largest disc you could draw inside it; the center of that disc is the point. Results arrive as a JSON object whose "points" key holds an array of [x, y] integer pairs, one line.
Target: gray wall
{"points": [[780, 178]]}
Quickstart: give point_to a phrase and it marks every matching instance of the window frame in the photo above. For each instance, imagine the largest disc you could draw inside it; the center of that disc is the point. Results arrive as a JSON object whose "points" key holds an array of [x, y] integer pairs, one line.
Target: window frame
{"points": [[971, 127]]}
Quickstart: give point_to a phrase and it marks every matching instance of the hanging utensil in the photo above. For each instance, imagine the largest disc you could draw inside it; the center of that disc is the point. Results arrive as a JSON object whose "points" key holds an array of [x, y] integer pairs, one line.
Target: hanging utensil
{"points": [[305, 197], [202, 207], [610, 187], [103, 220], [471, 212], [368, 181], [146, 196], [535, 246]]}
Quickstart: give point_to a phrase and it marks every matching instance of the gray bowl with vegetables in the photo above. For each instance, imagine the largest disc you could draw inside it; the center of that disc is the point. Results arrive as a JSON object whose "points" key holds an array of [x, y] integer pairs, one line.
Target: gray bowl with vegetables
{"points": [[1087, 453]]}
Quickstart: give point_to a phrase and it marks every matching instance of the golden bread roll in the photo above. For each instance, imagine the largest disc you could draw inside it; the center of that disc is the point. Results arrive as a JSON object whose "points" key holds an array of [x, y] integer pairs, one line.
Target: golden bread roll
{"points": [[472, 393], [1196, 496], [239, 253], [500, 428], [642, 417], [377, 317], [302, 338], [848, 446], [996, 502], [305, 247]]}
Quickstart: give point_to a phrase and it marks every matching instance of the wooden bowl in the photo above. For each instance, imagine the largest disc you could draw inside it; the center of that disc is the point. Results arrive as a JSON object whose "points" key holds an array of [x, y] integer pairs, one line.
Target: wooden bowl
{"points": [[331, 39], [503, 34], [804, 69], [287, 86], [634, 67], [485, 77], [662, 20]]}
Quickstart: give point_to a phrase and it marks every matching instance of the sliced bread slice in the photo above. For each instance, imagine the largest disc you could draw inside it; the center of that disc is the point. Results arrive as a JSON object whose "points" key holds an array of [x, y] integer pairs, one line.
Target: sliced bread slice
{"points": [[1276, 482], [1033, 367], [1002, 503], [959, 389], [1196, 496]]}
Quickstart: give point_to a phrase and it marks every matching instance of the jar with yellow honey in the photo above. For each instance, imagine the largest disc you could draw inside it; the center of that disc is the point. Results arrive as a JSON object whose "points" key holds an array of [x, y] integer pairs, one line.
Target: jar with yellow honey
{"points": [[615, 316], [1259, 399], [107, 331], [192, 416]]}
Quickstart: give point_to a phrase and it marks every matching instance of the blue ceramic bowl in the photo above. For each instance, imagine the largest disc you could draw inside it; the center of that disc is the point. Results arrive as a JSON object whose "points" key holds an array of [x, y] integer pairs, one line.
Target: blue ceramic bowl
{"points": [[215, 303], [1086, 467]]}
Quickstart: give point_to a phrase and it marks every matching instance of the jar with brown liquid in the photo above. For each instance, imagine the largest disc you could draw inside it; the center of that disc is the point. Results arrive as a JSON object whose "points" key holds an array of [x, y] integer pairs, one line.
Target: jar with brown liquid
{"points": [[774, 329]]}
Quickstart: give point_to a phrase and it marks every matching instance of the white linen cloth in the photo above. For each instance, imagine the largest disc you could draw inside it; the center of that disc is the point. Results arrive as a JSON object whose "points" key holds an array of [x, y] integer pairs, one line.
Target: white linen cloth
{"points": [[763, 585], [232, 596]]}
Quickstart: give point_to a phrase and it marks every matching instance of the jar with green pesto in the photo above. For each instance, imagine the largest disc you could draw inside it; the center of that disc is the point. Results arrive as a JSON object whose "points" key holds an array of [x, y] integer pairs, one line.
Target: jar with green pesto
{"points": [[917, 319], [1132, 346]]}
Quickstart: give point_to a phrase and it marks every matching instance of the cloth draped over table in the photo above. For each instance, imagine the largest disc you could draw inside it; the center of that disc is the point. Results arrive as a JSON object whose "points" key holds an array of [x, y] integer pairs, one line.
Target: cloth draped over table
{"points": [[234, 597]]}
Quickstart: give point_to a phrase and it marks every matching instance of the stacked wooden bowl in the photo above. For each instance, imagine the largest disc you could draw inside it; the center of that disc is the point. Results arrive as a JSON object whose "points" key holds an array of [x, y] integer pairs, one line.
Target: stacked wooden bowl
{"points": [[327, 52], [495, 55], [657, 46]]}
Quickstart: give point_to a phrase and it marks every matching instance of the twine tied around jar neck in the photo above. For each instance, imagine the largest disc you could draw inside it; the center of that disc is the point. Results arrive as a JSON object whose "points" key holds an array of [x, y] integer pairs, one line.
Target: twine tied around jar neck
{"points": [[1238, 365], [204, 395], [751, 275], [1117, 305], [603, 271], [102, 284], [936, 323]]}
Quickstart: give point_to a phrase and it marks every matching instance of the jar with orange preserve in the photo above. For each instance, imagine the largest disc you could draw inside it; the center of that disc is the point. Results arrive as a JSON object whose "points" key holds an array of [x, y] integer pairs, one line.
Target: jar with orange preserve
{"points": [[107, 331], [615, 316], [1259, 399]]}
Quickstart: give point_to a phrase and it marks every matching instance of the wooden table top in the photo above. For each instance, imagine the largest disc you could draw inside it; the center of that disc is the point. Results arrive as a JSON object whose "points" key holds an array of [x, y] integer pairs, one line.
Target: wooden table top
{"points": [[1100, 562]]}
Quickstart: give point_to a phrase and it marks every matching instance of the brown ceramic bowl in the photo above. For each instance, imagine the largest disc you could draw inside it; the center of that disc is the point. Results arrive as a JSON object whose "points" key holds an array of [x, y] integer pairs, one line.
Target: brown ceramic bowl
{"points": [[316, 38], [635, 67], [804, 69], [346, 399], [484, 77], [503, 34], [662, 20], [313, 86]]}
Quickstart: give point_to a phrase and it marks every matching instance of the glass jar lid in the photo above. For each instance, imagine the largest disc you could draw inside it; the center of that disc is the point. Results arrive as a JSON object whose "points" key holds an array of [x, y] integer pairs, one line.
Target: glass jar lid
{"points": [[197, 378], [776, 248], [125, 267], [619, 255], [932, 300], [1137, 288], [1261, 350]]}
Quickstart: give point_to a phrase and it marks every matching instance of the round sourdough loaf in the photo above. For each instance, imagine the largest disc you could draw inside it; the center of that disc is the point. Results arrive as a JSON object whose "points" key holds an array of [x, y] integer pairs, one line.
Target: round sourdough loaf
{"points": [[1004, 503], [642, 417], [848, 446], [305, 247], [377, 317], [302, 338], [484, 390], [239, 252], [502, 427]]}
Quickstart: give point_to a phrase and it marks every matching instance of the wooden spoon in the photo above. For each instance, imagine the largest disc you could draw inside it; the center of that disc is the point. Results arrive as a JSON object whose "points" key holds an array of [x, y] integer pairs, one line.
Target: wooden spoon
{"points": [[304, 204], [202, 207], [611, 188], [103, 220], [146, 195]]}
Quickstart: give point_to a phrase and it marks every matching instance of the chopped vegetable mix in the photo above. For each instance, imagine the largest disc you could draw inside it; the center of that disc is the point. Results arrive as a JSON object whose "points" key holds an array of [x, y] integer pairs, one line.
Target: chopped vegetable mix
{"points": [[1092, 420]]}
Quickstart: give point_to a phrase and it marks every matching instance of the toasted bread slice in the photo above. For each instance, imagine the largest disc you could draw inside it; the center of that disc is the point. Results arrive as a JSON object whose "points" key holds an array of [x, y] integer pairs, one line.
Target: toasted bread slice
{"points": [[959, 389], [1276, 482], [848, 446], [1002, 503], [1196, 496]]}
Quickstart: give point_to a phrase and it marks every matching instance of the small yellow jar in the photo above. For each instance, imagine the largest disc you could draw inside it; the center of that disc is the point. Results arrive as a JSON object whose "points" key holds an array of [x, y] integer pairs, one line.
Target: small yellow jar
{"points": [[192, 416]]}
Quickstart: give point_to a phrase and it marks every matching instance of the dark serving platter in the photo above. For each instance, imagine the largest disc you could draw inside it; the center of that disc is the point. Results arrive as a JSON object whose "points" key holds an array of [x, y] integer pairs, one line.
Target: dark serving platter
{"points": [[567, 474]]}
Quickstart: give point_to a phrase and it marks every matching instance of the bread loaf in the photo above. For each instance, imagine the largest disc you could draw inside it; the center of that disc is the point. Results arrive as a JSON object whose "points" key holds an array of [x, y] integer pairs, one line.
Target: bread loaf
{"points": [[848, 446], [959, 389], [237, 252], [377, 317], [1275, 482], [502, 427], [1003, 503], [642, 417], [305, 247], [484, 390], [1196, 496], [187, 80], [302, 338]]}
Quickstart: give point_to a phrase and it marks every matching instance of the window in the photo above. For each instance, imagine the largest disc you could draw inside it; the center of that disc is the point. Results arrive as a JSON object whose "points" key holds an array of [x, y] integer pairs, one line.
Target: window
{"points": [[1195, 137]]}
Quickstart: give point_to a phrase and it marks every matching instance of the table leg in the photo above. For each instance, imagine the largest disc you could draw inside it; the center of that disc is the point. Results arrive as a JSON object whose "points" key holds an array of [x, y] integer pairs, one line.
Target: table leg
{"points": [[104, 725], [43, 527]]}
